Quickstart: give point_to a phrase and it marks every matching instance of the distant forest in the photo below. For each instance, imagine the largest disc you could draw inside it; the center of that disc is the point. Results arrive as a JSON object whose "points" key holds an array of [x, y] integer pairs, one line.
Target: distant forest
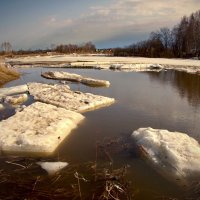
{"points": [[182, 41]]}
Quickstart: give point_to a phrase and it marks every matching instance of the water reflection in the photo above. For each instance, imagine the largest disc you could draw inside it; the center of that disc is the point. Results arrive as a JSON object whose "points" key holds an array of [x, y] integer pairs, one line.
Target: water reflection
{"points": [[187, 85]]}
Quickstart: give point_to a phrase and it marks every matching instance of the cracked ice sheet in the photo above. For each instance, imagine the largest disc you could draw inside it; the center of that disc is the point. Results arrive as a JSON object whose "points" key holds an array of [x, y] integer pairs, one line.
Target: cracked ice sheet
{"points": [[62, 96]]}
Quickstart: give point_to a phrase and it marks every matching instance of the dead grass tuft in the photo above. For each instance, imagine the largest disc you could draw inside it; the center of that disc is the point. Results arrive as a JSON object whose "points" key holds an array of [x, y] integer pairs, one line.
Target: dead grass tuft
{"points": [[7, 74]]}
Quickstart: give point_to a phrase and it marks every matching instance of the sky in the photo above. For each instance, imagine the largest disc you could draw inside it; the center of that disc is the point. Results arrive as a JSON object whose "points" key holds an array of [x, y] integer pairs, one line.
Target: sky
{"points": [[32, 24]]}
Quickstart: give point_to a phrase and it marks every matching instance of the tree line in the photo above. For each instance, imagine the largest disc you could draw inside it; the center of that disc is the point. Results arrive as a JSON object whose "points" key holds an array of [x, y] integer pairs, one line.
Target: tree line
{"points": [[88, 47], [182, 41]]}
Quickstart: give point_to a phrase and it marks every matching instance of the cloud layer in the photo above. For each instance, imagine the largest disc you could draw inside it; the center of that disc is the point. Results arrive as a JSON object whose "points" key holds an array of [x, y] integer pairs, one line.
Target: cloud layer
{"points": [[119, 22], [123, 20]]}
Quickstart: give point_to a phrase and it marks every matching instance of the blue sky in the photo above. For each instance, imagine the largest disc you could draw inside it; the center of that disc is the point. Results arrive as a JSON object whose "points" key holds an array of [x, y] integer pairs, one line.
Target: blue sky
{"points": [[107, 23]]}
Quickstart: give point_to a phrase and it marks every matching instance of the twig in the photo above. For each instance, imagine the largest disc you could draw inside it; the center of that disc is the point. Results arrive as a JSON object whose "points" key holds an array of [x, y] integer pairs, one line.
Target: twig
{"points": [[38, 178], [79, 187], [109, 157], [16, 164], [95, 169], [56, 179]]}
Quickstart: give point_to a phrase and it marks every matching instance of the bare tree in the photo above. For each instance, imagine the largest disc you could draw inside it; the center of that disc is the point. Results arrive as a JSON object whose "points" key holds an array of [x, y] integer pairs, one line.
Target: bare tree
{"points": [[88, 47], [165, 34], [6, 47]]}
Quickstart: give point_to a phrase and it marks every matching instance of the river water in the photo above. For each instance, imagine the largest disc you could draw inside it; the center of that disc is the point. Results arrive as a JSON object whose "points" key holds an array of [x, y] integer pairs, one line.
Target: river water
{"points": [[164, 100]]}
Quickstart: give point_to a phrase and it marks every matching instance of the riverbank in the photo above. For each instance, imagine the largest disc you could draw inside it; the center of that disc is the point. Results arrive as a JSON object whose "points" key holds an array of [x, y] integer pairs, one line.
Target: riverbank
{"points": [[69, 58]]}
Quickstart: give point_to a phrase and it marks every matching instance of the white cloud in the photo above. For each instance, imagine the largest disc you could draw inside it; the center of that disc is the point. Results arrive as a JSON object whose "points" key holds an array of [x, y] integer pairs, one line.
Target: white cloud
{"points": [[53, 21]]}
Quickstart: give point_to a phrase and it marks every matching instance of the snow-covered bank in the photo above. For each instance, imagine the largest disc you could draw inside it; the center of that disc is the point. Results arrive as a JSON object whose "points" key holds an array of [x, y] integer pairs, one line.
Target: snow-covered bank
{"points": [[38, 128], [76, 78], [62, 96], [103, 62], [174, 152], [91, 60]]}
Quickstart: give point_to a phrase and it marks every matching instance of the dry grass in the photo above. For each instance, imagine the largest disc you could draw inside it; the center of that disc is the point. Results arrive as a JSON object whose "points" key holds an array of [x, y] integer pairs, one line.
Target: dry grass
{"points": [[7, 74]]}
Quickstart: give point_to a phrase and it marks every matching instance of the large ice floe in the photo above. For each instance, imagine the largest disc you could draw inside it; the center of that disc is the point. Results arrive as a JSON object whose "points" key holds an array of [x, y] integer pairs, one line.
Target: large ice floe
{"points": [[38, 128], [176, 153], [62, 96], [75, 77]]}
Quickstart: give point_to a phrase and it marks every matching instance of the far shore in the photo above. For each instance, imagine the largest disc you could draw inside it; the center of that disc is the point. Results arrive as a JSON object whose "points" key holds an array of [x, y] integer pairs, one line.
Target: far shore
{"points": [[99, 59], [105, 62]]}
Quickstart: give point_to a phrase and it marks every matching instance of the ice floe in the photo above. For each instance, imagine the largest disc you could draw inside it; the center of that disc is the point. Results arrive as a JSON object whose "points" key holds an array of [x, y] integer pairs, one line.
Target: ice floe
{"points": [[52, 167], [174, 152], [1, 106], [39, 127], [75, 77], [62, 96], [16, 99], [13, 90], [136, 67]]}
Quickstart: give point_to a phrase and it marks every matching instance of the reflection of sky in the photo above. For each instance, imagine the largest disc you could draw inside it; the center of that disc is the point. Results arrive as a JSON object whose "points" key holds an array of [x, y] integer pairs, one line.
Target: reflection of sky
{"points": [[33, 24], [187, 85], [140, 101]]}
